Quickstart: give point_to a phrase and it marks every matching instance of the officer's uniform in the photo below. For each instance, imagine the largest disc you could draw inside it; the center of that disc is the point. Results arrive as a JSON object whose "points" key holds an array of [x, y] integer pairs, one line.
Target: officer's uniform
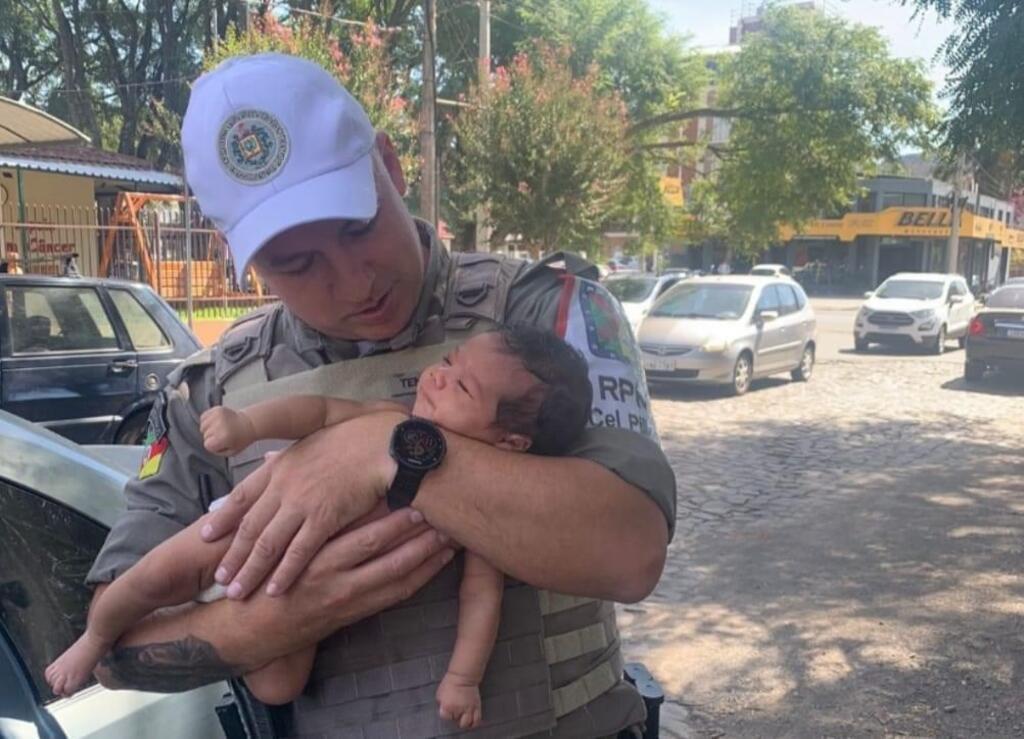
{"points": [[556, 667]]}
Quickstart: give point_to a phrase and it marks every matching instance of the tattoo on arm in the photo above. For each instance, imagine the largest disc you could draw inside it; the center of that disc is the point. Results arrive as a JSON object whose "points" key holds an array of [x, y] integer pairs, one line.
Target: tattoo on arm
{"points": [[167, 667]]}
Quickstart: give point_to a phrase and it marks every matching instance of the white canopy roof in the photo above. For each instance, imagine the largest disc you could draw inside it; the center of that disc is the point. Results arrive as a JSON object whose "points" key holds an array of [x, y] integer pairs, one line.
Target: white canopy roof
{"points": [[23, 124]]}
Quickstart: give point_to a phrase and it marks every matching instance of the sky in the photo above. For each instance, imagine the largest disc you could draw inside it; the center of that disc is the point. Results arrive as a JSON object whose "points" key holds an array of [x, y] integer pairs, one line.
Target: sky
{"points": [[707, 24]]}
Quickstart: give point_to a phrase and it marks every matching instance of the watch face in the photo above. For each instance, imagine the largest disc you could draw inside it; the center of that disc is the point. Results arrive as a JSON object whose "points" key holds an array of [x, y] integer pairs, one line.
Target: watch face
{"points": [[418, 444]]}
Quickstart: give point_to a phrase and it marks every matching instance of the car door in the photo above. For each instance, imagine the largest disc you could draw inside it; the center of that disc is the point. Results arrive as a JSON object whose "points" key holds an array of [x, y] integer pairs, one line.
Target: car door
{"points": [[48, 549], [965, 309], [771, 338], [154, 348], [63, 363], [791, 320]]}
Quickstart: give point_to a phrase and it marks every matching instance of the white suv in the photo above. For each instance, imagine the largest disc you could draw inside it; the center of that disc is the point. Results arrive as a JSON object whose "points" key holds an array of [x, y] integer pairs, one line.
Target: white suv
{"points": [[919, 309]]}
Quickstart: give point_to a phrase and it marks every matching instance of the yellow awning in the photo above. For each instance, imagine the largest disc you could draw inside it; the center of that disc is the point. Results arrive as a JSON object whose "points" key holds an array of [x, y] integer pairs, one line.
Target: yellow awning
{"points": [[908, 223]]}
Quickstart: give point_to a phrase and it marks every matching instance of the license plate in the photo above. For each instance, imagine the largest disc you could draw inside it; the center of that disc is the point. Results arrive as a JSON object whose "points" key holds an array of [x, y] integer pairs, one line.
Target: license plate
{"points": [[1015, 333], [663, 365]]}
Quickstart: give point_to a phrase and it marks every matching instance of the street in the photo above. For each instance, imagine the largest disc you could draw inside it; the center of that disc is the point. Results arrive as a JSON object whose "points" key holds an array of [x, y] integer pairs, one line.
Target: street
{"points": [[848, 553]]}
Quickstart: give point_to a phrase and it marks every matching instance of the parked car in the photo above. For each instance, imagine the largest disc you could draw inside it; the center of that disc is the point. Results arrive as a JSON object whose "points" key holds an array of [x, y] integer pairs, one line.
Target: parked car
{"points": [[729, 330], [637, 293], [995, 338], [57, 501], [85, 357], [915, 309], [771, 270]]}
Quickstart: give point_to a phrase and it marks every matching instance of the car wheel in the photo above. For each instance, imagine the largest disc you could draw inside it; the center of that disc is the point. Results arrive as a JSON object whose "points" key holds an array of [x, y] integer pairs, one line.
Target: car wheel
{"points": [[939, 344], [860, 345], [742, 374], [974, 370], [133, 430], [803, 372]]}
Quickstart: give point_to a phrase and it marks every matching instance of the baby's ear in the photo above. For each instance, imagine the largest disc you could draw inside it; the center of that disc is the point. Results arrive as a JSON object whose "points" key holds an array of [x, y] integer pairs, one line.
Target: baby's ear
{"points": [[514, 442]]}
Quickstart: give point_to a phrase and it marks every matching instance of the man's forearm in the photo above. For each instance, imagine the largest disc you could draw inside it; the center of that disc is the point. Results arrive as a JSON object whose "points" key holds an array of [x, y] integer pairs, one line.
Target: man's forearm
{"points": [[182, 648], [565, 524]]}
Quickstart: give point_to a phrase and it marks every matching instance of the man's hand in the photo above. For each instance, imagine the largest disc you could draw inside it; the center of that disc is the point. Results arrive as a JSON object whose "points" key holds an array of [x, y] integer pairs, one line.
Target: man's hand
{"points": [[225, 431], [287, 509]]}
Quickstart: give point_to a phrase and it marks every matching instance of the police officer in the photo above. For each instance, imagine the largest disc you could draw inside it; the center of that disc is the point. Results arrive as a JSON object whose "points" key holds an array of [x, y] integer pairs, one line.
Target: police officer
{"points": [[287, 165]]}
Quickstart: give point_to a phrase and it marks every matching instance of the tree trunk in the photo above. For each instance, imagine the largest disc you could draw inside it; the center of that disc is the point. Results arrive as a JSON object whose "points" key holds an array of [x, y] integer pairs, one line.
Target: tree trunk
{"points": [[75, 78]]}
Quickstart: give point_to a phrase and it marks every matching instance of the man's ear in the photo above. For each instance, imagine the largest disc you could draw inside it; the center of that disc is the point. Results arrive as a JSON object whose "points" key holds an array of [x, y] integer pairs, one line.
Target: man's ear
{"points": [[514, 442], [391, 162]]}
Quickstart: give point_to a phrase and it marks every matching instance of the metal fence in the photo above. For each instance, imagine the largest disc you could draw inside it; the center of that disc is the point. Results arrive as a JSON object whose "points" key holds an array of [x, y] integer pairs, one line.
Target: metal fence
{"points": [[143, 238]]}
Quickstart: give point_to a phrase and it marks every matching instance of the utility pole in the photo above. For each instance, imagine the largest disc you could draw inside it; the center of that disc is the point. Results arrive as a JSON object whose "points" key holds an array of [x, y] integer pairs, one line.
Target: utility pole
{"points": [[953, 246], [428, 118], [483, 233]]}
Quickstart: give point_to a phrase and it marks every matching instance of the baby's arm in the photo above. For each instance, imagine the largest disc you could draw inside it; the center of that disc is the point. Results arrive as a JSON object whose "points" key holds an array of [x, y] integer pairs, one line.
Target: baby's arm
{"points": [[174, 572], [228, 432], [480, 594]]}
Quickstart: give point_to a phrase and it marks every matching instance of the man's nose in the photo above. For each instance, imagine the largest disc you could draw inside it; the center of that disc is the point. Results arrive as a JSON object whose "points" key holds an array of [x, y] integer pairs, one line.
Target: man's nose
{"points": [[440, 376], [353, 276]]}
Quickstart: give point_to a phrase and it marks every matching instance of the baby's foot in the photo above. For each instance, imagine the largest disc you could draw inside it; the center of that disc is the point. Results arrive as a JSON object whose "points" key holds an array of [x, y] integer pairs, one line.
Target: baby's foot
{"points": [[71, 670], [459, 701]]}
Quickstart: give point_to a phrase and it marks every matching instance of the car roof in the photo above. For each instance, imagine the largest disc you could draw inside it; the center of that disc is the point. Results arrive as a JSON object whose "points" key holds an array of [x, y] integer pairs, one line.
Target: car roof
{"points": [[923, 276], [751, 280], [769, 265], [36, 458], [9, 279]]}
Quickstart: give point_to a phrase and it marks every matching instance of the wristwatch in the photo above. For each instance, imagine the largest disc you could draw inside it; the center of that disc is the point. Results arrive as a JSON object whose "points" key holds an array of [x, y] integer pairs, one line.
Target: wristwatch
{"points": [[418, 446]]}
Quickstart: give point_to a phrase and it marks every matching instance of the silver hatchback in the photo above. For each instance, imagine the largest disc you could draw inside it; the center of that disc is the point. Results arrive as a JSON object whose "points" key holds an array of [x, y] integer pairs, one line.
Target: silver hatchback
{"points": [[729, 330]]}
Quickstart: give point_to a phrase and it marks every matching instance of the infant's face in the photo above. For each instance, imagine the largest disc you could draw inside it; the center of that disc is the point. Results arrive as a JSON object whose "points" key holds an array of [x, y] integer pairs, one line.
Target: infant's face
{"points": [[461, 393]]}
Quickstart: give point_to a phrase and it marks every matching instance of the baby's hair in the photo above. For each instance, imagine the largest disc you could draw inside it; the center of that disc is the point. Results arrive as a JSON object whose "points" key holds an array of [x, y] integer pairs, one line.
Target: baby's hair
{"points": [[554, 412]]}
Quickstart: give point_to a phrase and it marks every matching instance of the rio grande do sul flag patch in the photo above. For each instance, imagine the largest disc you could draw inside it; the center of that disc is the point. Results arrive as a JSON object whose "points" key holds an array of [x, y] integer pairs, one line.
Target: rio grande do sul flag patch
{"points": [[154, 455]]}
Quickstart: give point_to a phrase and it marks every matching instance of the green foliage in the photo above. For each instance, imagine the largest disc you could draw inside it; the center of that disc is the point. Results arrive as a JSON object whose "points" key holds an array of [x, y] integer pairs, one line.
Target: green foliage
{"points": [[816, 103], [358, 58], [985, 56], [546, 149]]}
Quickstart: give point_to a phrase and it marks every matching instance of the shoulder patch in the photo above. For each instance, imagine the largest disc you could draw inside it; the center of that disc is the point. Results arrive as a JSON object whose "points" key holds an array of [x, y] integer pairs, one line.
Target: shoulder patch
{"points": [[592, 321]]}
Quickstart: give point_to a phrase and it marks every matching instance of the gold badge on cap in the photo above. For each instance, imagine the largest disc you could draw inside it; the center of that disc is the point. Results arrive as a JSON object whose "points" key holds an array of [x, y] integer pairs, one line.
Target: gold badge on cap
{"points": [[252, 146]]}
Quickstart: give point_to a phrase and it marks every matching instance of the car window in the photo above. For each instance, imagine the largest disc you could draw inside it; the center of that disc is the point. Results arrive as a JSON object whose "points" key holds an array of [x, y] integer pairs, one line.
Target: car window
{"points": [[801, 298], [631, 289], [956, 289], [58, 319], [787, 300], [701, 300], [769, 300], [666, 285], [144, 332], [47, 552], [1007, 297], [911, 289]]}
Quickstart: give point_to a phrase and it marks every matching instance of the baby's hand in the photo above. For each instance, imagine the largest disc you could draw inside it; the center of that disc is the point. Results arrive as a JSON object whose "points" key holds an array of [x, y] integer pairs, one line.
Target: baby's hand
{"points": [[459, 701], [226, 432]]}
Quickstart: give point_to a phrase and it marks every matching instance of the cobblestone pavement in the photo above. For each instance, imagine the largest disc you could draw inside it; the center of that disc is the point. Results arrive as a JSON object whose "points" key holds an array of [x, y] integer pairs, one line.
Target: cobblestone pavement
{"points": [[848, 552]]}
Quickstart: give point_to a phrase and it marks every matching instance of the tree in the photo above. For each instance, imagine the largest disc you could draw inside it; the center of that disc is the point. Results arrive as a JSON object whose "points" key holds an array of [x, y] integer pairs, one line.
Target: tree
{"points": [[985, 56], [622, 44], [815, 103], [546, 149]]}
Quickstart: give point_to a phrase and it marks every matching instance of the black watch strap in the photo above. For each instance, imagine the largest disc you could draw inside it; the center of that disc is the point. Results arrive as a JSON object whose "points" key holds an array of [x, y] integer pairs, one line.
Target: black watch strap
{"points": [[403, 489]]}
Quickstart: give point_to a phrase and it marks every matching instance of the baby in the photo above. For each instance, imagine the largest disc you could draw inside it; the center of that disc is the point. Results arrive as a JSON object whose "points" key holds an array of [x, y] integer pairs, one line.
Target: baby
{"points": [[518, 389]]}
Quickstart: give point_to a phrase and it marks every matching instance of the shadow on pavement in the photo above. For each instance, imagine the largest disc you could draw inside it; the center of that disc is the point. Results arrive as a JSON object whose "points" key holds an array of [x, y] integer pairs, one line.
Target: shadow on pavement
{"points": [[994, 383], [875, 589]]}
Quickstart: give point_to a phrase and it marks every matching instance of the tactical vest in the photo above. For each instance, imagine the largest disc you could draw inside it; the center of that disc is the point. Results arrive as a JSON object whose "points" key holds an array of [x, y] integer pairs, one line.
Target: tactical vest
{"points": [[556, 667]]}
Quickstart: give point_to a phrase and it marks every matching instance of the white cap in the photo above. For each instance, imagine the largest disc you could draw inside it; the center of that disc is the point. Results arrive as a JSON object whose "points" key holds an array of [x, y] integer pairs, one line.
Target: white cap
{"points": [[273, 141]]}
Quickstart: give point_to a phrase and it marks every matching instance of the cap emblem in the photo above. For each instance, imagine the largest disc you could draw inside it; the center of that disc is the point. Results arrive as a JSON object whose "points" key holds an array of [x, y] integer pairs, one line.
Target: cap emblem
{"points": [[252, 146]]}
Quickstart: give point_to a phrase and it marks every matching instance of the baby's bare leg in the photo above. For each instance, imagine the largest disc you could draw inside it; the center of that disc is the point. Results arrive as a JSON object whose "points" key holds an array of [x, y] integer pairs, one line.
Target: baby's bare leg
{"points": [[172, 573], [458, 695], [282, 680]]}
